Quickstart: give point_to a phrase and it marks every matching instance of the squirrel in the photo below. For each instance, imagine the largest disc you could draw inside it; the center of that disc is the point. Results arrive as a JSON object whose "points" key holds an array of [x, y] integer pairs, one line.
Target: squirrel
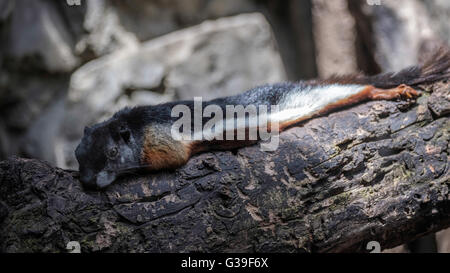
{"points": [[141, 137]]}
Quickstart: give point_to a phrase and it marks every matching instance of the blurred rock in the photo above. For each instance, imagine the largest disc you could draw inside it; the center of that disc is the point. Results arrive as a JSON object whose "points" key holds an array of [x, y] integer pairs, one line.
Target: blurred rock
{"points": [[355, 35], [214, 59], [37, 32], [443, 241], [56, 37], [105, 33], [25, 100], [405, 30], [226, 57], [335, 36], [401, 28], [6, 7], [149, 19], [292, 22], [40, 139], [439, 14], [5, 144]]}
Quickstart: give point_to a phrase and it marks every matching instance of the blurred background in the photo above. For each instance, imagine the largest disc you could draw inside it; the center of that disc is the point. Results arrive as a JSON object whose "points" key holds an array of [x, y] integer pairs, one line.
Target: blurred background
{"points": [[65, 64]]}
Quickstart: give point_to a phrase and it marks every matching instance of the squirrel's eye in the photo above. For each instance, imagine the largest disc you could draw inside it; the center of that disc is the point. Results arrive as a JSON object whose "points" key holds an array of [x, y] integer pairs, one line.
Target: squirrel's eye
{"points": [[112, 153]]}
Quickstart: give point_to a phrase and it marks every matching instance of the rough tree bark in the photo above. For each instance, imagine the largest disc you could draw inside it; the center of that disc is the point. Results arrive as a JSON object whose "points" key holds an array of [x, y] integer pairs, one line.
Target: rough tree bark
{"points": [[378, 171]]}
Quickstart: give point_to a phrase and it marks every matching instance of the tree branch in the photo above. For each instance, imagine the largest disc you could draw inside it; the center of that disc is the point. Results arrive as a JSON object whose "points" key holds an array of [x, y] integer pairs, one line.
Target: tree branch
{"points": [[375, 172]]}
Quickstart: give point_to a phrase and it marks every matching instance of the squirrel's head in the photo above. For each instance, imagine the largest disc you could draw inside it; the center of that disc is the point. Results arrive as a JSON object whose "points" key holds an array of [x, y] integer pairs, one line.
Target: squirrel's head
{"points": [[134, 138], [107, 150]]}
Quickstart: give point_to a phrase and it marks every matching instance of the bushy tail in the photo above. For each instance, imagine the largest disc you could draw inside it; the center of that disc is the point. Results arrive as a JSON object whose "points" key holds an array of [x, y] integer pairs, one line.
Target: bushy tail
{"points": [[436, 68]]}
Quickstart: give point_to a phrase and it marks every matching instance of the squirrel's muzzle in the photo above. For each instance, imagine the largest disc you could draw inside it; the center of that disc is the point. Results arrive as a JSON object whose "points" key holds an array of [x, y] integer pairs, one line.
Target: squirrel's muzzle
{"points": [[88, 180], [101, 180]]}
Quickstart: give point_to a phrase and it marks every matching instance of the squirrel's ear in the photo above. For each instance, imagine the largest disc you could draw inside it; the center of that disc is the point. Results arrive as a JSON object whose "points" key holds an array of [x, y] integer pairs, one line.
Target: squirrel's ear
{"points": [[87, 130], [124, 134]]}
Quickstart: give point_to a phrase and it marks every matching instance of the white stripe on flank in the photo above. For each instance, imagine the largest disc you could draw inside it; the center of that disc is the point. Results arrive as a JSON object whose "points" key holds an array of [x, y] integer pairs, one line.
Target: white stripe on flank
{"points": [[294, 105], [304, 103]]}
